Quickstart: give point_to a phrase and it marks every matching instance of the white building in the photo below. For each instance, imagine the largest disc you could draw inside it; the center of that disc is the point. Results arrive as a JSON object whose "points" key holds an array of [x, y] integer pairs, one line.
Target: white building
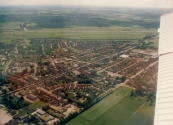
{"points": [[124, 56], [164, 98]]}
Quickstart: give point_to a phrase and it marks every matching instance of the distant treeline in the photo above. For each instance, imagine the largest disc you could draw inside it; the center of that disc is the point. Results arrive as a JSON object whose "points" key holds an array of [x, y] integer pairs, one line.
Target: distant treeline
{"points": [[70, 20], [49, 18]]}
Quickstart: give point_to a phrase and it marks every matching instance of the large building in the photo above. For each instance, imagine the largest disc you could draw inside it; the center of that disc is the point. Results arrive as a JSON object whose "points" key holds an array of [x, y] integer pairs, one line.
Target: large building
{"points": [[164, 97]]}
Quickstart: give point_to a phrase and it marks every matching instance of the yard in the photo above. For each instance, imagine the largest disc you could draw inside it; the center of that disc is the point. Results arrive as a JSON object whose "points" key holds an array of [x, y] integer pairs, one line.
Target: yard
{"points": [[37, 104]]}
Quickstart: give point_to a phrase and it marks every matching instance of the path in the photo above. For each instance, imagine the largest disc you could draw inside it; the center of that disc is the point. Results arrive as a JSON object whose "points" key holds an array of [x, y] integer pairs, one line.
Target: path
{"points": [[107, 57], [101, 70], [6, 67], [16, 49], [138, 73], [25, 30], [42, 48], [52, 61]]}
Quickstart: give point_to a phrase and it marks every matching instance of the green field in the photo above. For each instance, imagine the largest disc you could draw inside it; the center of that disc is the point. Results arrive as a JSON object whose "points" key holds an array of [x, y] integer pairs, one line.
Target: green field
{"points": [[37, 104], [117, 109], [155, 43], [144, 116], [12, 31]]}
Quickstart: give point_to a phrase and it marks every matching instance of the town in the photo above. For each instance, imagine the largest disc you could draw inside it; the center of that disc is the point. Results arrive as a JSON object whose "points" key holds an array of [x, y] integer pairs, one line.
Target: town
{"points": [[48, 81]]}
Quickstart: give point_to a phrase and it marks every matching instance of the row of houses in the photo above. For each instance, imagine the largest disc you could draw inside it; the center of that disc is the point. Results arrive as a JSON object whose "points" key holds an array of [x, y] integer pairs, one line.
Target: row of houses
{"points": [[149, 53], [2, 59]]}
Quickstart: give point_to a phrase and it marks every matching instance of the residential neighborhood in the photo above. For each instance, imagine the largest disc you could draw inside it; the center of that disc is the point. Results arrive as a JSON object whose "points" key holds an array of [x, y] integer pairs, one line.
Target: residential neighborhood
{"points": [[61, 78]]}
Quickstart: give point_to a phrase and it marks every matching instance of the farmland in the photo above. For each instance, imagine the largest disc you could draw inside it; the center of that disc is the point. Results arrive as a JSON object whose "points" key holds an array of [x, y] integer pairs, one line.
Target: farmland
{"points": [[117, 109], [155, 43], [13, 31]]}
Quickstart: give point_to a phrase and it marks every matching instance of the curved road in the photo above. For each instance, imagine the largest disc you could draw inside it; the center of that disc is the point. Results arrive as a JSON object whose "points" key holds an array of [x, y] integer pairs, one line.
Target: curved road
{"points": [[6, 67]]}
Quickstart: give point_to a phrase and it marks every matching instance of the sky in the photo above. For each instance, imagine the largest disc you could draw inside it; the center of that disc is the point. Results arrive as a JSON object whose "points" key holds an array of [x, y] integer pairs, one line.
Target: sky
{"points": [[124, 3]]}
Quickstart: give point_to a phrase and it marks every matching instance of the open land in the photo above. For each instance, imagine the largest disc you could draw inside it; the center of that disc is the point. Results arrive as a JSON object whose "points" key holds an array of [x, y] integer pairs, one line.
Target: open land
{"points": [[155, 43], [4, 116], [13, 31], [117, 109]]}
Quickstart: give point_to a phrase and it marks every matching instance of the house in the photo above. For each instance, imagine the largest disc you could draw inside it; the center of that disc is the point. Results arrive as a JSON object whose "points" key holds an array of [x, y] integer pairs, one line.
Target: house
{"points": [[2, 57], [76, 73], [75, 65], [44, 91], [17, 116], [22, 93], [51, 117], [41, 112], [57, 108], [17, 69], [1, 92], [154, 56], [124, 56], [48, 88], [64, 49], [56, 62], [31, 97], [23, 117], [145, 52], [44, 118], [14, 122], [12, 112], [67, 106]]}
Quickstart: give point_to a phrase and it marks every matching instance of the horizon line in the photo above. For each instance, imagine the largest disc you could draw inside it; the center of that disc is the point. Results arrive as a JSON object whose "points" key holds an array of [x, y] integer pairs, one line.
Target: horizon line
{"points": [[99, 6]]}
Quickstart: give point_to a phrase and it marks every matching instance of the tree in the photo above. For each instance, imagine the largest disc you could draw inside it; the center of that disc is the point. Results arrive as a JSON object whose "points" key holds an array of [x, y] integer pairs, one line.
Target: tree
{"points": [[132, 94], [97, 65], [78, 95], [45, 108], [123, 78], [47, 63], [31, 119], [13, 102], [117, 78], [24, 71], [152, 97], [32, 70], [3, 81], [31, 66], [21, 98], [11, 88], [94, 73], [4, 91]]}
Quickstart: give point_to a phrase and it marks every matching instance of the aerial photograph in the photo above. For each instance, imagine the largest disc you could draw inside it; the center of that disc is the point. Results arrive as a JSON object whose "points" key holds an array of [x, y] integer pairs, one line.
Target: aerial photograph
{"points": [[79, 62]]}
